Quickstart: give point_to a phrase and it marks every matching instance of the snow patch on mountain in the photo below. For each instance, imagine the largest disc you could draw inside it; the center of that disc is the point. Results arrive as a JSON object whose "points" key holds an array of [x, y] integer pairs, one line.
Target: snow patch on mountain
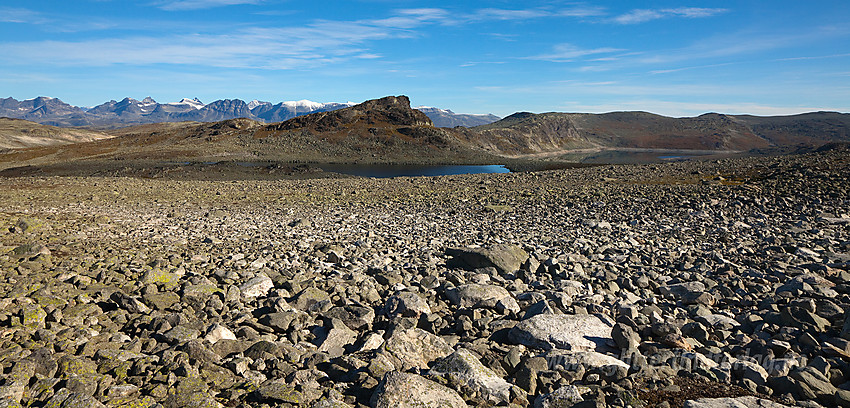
{"points": [[255, 103], [194, 103]]}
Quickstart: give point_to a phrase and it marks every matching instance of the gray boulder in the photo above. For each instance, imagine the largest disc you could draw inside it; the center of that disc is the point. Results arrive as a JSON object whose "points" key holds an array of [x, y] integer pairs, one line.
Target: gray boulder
{"points": [[339, 336], [474, 376], [257, 286], [566, 396], [739, 402], [404, 390], [587, 359], [416, 348], [474, 295], [406, 304], [65, 398], [504, 257], [568, 332]]}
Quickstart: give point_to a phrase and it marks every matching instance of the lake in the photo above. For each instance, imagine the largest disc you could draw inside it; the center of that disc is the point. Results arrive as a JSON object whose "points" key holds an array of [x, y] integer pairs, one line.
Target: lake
{"points": [[388, 170]]}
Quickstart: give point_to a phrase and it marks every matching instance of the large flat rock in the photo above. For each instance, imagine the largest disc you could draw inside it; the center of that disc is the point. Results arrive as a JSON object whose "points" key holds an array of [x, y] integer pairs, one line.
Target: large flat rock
{"points": [[405, 390], [739, 402], [505, 258], [558, 331]]}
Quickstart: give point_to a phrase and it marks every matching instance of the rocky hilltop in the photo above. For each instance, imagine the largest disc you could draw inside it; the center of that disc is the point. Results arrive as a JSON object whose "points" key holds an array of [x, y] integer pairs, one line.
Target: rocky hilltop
{"points": [[18, 134], [698, 284]]}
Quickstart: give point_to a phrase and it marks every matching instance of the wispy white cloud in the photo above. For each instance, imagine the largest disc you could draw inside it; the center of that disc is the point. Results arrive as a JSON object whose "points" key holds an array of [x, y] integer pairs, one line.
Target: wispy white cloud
{"points": [[447, 17], [672, 70], [569, 52], [21, 16], [181, 5], [643, 15], [506, 14], [475, 63], [316, 44], [321, 42], [412, 18], [581, 11], [813, 57]]}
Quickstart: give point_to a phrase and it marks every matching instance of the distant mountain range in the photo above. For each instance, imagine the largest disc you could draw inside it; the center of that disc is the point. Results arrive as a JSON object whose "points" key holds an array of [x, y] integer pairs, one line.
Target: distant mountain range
{"points": [[447, 118], [129, 111], [388, 130]]}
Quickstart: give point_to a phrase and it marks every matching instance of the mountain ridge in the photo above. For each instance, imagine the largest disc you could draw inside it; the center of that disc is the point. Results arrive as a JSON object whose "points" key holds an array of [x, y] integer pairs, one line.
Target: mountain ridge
{"points": [[529, 133], [131, 112], [388, 130]]}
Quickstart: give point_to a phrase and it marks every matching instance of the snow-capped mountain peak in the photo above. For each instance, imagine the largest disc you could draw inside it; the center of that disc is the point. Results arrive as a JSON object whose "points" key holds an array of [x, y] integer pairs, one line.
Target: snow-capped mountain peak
{"points": [[194, 103], [253, 104], [304, 104]]}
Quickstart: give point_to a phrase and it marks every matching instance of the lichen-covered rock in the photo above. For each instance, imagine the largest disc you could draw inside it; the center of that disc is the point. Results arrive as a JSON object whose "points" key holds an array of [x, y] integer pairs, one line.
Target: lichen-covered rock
{"points": [[165, 279], [416, 348], [474, 376], [403, 390], [65, 398], [278, 392], [190, 393], [72, 366], [32, 316], [563, 397], [309, 297]]}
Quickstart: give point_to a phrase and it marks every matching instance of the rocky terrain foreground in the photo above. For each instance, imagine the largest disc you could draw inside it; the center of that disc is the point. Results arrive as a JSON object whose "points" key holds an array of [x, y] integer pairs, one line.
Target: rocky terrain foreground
{"points": [[697, 284]]}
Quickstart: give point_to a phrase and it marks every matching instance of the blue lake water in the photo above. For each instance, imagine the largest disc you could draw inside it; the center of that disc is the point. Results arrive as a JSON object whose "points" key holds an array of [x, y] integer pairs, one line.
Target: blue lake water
{"points": [[387, 170]]}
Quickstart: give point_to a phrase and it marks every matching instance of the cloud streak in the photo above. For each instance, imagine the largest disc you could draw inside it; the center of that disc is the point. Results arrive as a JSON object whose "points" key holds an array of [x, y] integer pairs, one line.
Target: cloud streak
{"points": [[569, 52], [21, 16], [319, 43], [183, 5], [645, 15], [316, 44]]}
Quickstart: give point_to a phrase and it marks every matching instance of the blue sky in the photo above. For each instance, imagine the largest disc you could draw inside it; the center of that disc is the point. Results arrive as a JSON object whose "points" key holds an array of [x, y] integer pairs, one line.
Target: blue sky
{"points": [[668, 57]]}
